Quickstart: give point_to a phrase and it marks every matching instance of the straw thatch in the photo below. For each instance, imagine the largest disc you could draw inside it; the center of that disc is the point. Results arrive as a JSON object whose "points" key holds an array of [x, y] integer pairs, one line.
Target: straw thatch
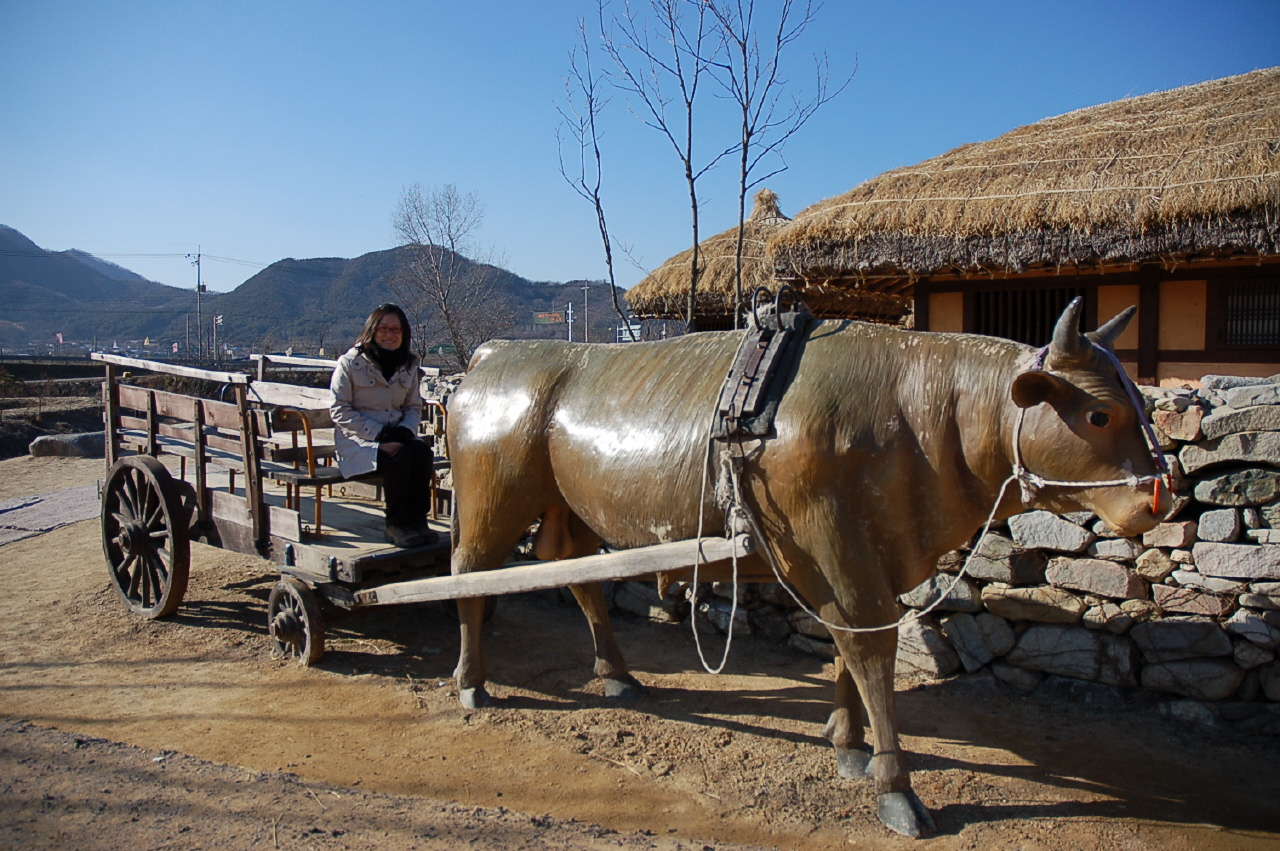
{"points": [[664, 294], [1189, 173]]}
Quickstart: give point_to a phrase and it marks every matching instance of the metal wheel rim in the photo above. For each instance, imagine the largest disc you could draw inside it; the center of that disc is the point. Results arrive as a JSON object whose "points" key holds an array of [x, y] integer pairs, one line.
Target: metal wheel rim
{"points": [[146, 545]]}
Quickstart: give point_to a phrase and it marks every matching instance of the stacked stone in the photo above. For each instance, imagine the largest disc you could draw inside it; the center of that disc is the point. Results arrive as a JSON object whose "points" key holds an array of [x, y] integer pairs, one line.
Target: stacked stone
{"points": [[1190, 611]]}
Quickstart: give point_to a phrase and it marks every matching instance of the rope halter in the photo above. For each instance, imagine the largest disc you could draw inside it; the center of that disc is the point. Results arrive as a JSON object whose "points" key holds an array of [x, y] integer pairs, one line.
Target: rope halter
{"points": [[1031, 482]]}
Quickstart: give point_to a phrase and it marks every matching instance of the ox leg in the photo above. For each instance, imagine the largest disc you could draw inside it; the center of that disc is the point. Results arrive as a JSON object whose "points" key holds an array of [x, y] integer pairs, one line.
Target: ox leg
{"points": [[564, 535], [610, 666], [472, 671], [870, 661], [473, 552], [844, 727]]}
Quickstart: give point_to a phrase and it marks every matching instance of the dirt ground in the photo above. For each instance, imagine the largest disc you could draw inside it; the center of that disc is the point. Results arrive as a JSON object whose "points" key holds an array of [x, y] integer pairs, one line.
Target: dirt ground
{"points": [[187, 734]]}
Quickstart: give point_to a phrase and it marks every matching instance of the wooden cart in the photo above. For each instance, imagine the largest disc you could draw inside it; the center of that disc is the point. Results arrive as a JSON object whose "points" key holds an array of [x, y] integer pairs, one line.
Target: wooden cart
{"points": [[251, 472]]}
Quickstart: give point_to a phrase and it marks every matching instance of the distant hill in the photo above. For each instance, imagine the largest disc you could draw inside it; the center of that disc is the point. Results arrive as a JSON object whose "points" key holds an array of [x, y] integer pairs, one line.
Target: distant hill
{"points": [[43, 293], [321, 303], [304, 304], [112, 270]]}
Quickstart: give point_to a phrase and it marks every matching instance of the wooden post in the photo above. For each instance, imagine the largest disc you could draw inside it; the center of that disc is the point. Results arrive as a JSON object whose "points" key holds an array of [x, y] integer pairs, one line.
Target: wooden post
{"points": [[920, 305], [111, 417], [252, 469], [153, 443], [202, 484], [1149, 325]]}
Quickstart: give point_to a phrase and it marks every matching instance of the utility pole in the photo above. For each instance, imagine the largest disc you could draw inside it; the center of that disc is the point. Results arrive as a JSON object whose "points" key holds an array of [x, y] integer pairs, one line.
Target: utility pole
{"points": [[569, 318], [199, 315], [586, 315]]}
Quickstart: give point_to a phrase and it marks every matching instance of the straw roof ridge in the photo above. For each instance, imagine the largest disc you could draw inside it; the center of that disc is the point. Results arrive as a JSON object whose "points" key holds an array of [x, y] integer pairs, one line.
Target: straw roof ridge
{"points": [[1187, 172], [1239, 235], [665, 291]]}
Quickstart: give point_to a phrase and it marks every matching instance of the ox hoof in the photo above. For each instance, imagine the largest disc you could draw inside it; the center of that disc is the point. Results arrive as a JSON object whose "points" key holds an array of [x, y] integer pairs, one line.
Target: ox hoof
{"points": [[625, 687], [851, 763], [903, 813], [474, 698]]}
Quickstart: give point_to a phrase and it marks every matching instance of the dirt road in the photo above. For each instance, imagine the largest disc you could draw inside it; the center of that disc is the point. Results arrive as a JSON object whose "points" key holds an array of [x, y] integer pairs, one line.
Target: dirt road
{"points": [[371, 750]]}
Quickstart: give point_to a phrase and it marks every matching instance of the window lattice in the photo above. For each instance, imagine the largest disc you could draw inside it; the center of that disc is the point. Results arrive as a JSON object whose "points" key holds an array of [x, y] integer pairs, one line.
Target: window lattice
{"points": [[1027, 316], [1252, 314]]}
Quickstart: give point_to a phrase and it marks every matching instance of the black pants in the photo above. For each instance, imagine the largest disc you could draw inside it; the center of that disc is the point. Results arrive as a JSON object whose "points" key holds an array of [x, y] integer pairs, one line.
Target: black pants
{"points": [[406, 481]]}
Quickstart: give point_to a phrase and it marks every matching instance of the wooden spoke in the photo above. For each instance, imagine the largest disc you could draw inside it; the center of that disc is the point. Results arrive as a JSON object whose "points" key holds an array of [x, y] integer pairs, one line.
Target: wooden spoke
{"points": [[133, 575], [294, 622], [144, 536]]}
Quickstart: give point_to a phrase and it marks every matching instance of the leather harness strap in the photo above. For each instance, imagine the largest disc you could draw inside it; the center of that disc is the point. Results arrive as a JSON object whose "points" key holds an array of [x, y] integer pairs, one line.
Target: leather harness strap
{"points": [[750, 393]]}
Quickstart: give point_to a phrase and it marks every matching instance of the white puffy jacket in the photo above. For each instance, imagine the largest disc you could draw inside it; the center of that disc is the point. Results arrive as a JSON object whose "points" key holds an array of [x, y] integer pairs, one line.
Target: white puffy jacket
{"points": [[364, 402]]}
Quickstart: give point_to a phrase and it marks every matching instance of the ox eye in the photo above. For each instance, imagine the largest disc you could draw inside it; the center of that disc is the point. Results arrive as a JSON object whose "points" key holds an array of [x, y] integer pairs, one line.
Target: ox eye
{"points": [[1099, 419]]}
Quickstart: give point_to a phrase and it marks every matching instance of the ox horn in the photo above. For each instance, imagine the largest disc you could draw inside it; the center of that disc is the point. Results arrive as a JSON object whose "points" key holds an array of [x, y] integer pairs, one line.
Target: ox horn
{"points": [[1068, 343], [1106, 334]]}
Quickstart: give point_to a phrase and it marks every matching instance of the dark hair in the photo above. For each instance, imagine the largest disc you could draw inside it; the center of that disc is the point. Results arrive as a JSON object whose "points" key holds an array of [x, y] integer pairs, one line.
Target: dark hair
{"points": [[376, 317]]}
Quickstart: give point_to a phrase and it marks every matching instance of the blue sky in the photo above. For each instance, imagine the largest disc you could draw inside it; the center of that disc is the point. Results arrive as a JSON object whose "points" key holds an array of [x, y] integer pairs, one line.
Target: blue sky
{"points": [[263, 130]]}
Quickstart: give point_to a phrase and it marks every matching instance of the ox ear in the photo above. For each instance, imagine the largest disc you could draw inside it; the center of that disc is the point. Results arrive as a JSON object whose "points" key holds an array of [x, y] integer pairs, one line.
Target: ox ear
{"points": [[1106, 334], [1035, 386]]}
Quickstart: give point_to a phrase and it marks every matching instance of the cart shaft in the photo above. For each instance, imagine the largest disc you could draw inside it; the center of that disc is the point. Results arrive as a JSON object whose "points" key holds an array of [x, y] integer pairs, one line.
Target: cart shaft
{"points": [[535, 576]]}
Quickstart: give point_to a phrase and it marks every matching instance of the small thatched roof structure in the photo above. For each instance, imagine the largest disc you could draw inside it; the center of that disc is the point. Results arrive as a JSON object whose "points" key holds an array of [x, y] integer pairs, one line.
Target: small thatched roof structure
{"points": [[1178, 175], [664, 293]]}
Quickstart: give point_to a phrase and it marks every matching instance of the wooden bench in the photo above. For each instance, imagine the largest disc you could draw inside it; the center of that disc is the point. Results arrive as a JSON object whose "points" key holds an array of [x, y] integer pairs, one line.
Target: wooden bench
{"points": [[304, 411]]}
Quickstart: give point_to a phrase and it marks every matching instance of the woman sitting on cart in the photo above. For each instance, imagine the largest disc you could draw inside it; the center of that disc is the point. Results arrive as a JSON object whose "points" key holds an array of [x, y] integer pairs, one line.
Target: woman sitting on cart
{"points": [[376, 410]]}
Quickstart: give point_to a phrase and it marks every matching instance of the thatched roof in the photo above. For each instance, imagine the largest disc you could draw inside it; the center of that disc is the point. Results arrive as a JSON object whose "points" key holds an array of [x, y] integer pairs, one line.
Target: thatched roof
{"points": [[1188, 173], [664, 293]]}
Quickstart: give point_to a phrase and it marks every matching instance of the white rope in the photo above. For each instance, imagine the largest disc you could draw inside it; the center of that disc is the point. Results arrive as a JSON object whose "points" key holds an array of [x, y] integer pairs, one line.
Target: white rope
{"points": [[1027, 480], [909, 616], [1031, 482], [758, 534], [697, 561]]}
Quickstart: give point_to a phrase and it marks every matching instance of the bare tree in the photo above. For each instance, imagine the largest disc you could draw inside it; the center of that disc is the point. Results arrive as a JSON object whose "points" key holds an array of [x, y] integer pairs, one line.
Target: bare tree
{"points": [[449, 281], [683, 54], [583, 105], [750, 74]]}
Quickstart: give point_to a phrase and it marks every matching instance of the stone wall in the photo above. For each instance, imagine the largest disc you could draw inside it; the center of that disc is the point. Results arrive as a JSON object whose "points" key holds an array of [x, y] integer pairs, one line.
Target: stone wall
{"points": [[1188, 614]]}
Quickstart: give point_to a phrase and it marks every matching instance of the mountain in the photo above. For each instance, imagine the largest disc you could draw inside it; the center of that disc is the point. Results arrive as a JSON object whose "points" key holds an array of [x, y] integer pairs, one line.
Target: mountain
{"points": [[304, 304], [322, 303], [43, 293], [112, 270]]}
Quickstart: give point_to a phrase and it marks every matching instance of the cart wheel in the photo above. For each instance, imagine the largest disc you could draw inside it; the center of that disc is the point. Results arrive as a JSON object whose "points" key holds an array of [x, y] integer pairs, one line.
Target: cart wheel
{"points": [[145, 536], [295, 622]]}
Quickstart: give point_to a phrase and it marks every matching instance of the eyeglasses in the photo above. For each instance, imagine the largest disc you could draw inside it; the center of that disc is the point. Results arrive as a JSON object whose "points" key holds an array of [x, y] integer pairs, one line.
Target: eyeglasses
{"points": [[390, 329]]}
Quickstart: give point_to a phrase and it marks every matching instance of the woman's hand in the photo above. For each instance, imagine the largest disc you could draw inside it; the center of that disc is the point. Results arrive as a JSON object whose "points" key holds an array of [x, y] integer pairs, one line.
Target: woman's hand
{"points": [[396, 434]]}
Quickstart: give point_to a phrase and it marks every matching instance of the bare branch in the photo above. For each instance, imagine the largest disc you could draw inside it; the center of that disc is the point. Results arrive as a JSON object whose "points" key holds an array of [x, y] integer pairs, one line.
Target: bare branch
{"points": [[751, 76], [674, 50], [581, 123], [448, 283]]}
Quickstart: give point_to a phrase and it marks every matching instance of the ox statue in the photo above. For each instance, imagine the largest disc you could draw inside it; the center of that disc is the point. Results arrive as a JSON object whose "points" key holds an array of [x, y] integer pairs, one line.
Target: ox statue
{"points": [[889, 448]]}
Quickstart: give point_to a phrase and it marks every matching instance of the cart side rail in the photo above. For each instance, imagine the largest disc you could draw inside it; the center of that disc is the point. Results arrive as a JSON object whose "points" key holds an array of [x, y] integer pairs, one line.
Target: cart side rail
{"points": [[153, 422], [266, 360], [172, 368], [290, 395]]}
